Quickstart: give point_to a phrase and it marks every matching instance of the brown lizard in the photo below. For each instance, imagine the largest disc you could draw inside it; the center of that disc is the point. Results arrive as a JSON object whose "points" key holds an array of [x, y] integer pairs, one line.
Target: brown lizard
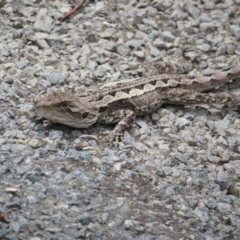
{"points": [[121, 101]]}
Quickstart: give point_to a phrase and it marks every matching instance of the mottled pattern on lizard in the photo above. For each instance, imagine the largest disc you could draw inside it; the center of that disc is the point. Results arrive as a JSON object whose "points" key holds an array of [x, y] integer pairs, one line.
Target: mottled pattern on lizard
{"points": [[121, 101]]}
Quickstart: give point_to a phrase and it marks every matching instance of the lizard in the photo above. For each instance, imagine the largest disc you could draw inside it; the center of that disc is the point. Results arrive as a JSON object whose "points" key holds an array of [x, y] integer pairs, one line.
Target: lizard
{"points": [[121, 101]]}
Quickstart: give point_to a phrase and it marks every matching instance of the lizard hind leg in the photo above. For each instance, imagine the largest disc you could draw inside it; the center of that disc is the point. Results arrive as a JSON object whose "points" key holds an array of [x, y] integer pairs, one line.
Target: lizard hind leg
{"points": [[184, 96], [174, 64]]}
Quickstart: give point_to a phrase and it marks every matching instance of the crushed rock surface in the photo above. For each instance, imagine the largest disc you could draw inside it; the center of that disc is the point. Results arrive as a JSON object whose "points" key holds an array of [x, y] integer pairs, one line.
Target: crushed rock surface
{"points": [[178, 174]]}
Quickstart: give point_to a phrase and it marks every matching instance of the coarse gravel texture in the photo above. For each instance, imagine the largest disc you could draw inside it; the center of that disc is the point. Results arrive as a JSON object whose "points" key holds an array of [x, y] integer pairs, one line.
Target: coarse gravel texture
{"points": [[178, 174]]}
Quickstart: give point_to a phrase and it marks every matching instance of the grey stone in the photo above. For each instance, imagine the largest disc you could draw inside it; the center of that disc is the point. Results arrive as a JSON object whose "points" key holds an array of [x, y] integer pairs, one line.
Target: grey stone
{"points": [[207, 26], [55, 77], [123, 49], [224, 207], [74, 154], [135, 43], [202, 213], [150, 22]]}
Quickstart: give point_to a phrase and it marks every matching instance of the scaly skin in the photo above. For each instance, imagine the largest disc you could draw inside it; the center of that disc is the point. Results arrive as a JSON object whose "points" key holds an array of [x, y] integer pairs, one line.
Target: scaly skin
{"points": [[121, 101]]}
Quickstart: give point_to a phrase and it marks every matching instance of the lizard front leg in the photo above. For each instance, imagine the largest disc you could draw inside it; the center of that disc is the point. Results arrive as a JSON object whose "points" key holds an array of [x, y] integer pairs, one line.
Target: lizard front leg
{"points": [[128, 117]]}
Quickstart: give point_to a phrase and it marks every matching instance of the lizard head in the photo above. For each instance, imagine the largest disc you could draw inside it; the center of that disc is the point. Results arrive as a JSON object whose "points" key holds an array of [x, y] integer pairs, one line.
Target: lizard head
{"points": [[67, 109]]}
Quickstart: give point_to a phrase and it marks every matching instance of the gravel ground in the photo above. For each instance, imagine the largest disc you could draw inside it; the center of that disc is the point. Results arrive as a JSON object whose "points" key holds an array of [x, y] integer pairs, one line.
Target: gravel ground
{"points": [[178, 174]]}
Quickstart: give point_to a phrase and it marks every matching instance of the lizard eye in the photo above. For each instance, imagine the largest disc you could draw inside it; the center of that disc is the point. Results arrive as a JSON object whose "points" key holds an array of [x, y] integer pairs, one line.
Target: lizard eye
{"points": [[64, 104], [85, 114], [102, 109]]}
